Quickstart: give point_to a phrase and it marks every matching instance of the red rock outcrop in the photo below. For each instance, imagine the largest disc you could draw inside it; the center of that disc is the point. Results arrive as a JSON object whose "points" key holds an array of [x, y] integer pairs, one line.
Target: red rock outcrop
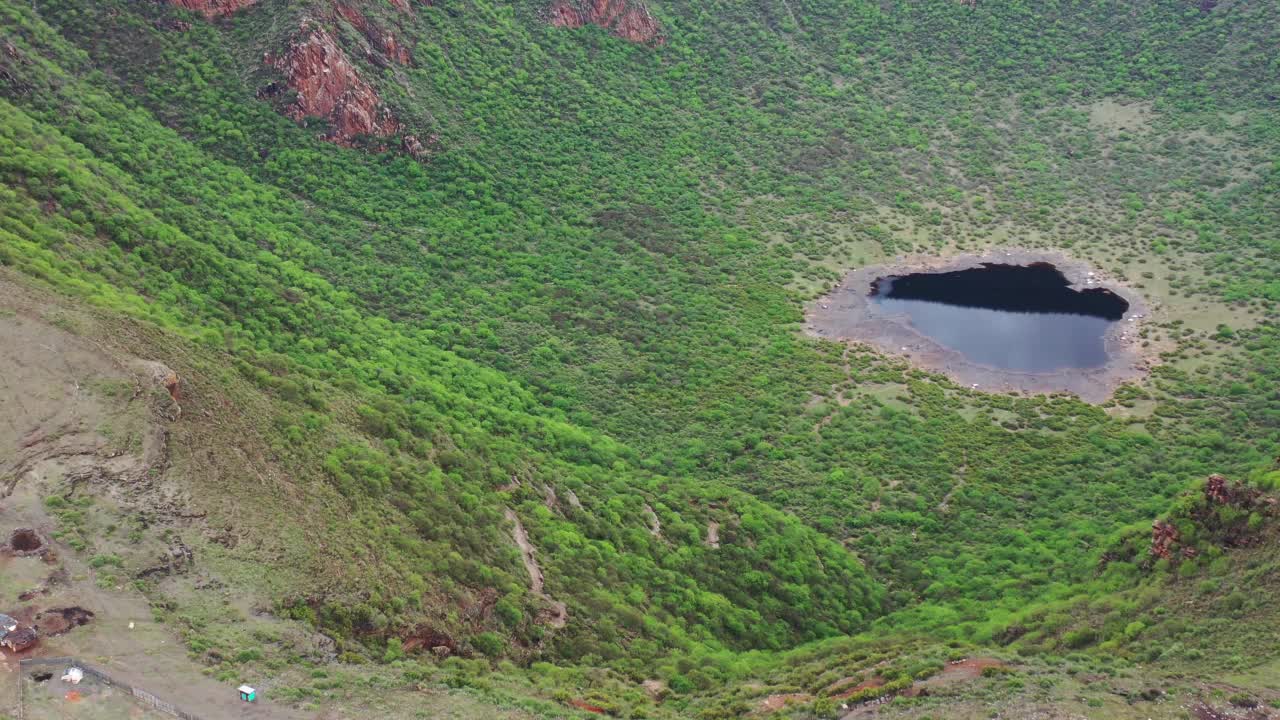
{"points": [[1163, 535], [627, 19], [213, 8], [329, 86], [382, 41]]}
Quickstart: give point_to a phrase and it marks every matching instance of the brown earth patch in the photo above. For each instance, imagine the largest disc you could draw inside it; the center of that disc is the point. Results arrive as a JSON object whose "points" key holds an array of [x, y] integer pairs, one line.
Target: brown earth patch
{"points": [[867, 684], [960, 671], [56, 621], [774, 703], [587, 707], [25, 541]]}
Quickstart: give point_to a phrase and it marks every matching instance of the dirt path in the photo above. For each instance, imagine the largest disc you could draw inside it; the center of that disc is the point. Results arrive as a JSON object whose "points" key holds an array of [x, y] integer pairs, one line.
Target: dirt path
{"points": [[655, 525], [837, 392], [945, 504], [559, 614]]}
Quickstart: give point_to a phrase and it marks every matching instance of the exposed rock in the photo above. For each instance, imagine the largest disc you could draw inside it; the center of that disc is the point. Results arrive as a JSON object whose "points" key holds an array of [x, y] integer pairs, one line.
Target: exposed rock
{"points": [[713, 534], [172, 25], [627, 19], [328, 86], [382, 40], [481, 609], [1216, 489], [165, 377], [441, 644], [1219, 490], [655, 525], [655, 689], [1163, 535], [418, 150], [573, 499], [177, 559], [213, 8]]}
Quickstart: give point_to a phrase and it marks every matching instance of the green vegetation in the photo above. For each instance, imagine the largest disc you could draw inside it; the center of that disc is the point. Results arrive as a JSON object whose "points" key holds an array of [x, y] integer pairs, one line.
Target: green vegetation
{"points": [[586, 308]]}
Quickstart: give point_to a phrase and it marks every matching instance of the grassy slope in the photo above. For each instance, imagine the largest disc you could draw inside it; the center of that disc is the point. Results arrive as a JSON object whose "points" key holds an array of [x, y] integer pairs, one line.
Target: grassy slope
{"points": [[612, 230], [440, 460]]}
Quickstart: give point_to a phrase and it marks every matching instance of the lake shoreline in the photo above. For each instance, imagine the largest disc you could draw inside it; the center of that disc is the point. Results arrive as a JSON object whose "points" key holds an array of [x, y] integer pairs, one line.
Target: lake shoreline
{"points": [[848, 314]]}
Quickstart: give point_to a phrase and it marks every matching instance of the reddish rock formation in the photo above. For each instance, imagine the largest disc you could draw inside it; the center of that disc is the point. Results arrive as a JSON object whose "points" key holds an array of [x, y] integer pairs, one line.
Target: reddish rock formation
{"points": [[1216, 489], [328, 86], [627, 19], [213, 8], [381, 40], [1163, 535]]}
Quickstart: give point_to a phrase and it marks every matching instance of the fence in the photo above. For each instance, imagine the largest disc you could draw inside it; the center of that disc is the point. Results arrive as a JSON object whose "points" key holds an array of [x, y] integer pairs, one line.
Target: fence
{"points": [[138, 693]]}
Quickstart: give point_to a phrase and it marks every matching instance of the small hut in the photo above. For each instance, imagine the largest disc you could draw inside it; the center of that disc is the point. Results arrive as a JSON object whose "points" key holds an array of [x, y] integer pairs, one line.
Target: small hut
{"points": [[247, 693]]}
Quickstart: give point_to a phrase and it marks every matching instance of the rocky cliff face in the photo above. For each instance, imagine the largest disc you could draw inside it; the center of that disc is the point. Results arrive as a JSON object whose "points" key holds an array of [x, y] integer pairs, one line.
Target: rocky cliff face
{"points": [[213, 8], [384, 44], [329, 86], [627, 19]]}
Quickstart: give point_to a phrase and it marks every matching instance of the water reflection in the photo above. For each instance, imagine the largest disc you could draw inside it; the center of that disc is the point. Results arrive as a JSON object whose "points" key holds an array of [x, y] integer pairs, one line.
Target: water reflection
{"points": [[1024, 318]]}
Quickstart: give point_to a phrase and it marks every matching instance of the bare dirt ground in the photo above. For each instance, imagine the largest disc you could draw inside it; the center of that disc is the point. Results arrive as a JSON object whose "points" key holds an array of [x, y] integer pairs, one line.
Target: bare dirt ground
{"points": [[77, 416], [126, 475]]}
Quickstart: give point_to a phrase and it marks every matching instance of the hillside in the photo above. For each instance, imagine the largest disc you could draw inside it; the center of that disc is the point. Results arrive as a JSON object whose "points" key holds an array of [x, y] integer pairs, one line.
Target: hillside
{"points": [[489, 375]]}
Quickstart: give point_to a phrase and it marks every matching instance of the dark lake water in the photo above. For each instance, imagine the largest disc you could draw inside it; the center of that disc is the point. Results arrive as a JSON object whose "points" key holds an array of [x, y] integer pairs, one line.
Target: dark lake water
{"points": [[1013, 317]]}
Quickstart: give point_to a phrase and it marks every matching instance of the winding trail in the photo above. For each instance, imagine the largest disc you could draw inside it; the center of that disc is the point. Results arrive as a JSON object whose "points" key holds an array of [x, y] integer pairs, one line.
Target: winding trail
{"points": [[837, 391], [655, 525], [559, 614], [713, 534], [945, 505]]}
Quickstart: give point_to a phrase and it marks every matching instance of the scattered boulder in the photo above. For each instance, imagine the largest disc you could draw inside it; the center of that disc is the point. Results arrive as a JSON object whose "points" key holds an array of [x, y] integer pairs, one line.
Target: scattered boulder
{"points": [[177, 559]]}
